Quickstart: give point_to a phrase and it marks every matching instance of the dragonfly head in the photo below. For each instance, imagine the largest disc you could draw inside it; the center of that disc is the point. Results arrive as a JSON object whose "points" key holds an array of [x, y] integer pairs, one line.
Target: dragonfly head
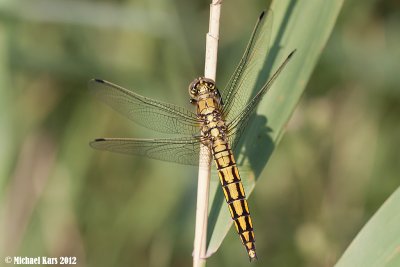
{"points": [[202, 86]]}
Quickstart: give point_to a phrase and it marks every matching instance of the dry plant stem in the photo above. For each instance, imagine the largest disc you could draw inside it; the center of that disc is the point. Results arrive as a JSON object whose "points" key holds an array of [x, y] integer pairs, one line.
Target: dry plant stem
{"points": [[200, 239]]}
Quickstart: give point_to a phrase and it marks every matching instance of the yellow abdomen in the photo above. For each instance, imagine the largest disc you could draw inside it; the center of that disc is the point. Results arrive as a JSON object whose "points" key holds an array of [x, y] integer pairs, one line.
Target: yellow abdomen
{"points": [[234, 194]]}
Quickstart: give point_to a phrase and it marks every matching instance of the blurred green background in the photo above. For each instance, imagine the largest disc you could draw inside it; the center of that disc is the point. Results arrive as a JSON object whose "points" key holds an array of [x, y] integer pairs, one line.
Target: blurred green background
{"points": [[337, 163]]}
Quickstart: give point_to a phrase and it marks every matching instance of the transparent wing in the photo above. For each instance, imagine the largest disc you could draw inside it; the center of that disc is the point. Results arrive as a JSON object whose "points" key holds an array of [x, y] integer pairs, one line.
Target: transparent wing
{"points": [[179, 150], [249, 73], [239, 123], [150, 113]]}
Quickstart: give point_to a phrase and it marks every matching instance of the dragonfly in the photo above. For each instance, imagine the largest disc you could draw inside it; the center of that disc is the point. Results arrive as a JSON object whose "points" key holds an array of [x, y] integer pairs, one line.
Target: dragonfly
{"points": [[218, 123]]}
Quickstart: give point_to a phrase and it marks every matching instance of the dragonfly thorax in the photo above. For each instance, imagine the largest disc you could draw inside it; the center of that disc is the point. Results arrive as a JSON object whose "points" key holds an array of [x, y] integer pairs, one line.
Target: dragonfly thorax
{"points": [[205, 95]]}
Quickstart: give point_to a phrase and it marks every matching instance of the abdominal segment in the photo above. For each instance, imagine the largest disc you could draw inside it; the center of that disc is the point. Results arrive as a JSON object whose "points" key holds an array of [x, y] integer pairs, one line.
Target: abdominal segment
{"points": [[234, 194]]}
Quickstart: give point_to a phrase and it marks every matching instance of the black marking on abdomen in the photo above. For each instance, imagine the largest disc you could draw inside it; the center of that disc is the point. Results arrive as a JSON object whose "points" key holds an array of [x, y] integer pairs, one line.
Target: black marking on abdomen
{"points": [[229, 175], [247, 236], [234, 194], [243, 224], [233, 191], [240, 211]]}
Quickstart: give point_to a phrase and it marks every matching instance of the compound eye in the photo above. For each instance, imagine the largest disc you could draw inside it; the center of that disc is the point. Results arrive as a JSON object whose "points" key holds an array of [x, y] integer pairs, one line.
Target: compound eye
{"points": [[193, 91]]}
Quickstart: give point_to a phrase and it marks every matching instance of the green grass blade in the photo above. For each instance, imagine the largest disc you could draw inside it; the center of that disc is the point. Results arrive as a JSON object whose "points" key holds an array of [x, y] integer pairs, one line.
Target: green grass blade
{"points": [[378, 243], [301, 25]]}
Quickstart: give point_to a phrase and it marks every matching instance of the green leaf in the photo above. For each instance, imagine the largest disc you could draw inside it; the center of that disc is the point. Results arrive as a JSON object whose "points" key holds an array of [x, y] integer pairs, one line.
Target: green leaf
{"points": [[301, 25], [378, 243]]}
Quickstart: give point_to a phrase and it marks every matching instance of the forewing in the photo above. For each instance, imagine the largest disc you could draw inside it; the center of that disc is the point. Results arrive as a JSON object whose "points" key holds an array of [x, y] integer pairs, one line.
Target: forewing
{"points": [[179, 150], [249, 75], [238, 125], [150, 113]]}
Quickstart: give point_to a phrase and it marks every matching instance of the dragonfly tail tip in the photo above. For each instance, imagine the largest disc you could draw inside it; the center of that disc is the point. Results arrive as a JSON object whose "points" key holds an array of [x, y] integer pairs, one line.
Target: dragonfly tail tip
{"points": [[253, 257]]}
